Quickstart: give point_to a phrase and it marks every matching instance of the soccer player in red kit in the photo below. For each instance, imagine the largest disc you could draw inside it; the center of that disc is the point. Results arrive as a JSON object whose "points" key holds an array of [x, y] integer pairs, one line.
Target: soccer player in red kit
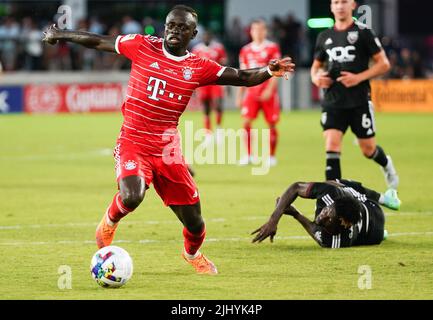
{"points": [[211, 96], [163, 77], [256, 54]]}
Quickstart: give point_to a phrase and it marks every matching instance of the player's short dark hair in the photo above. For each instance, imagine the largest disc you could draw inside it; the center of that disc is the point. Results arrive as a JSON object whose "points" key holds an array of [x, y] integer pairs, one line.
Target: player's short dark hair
{"points": [[348, 208], [259, 20], [182, 7]]}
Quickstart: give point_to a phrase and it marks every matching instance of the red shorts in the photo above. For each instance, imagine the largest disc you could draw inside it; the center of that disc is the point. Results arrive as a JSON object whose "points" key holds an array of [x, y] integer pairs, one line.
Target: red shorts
{"points": [[210, 92], [172, 182], [271, 108]]}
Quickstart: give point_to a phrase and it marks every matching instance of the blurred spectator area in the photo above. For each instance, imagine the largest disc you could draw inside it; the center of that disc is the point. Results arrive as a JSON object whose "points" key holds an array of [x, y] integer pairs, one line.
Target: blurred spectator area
{"points": [[22, 24], [410, 58]]}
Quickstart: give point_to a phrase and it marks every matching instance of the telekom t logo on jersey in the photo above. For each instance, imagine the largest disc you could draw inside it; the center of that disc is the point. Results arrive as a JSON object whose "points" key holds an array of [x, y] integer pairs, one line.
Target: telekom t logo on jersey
{"points": [[157, 87]]}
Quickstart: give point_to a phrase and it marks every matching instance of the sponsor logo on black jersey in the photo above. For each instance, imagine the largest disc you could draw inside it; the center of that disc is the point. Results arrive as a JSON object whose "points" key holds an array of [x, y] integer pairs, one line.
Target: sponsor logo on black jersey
{"points": [[342, 54]]}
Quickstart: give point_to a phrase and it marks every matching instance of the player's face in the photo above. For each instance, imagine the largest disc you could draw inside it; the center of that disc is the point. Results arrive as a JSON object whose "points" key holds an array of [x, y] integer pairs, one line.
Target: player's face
{"points": [[258, 31], [343, 9], [180, 28], [330, 222]]}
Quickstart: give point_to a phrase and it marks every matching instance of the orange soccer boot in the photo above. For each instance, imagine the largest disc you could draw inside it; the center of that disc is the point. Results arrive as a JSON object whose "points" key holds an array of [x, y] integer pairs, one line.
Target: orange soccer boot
{"points": [[201, 264], [104, 232]]}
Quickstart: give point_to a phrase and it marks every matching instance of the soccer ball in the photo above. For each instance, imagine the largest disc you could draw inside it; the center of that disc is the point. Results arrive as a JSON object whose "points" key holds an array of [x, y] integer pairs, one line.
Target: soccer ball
{"points": [[111, 267]]}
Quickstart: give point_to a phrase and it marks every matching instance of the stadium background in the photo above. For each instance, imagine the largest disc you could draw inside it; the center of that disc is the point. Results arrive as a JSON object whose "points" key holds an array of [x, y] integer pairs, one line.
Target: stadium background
{"points": [[59, 119], [408, 43]]}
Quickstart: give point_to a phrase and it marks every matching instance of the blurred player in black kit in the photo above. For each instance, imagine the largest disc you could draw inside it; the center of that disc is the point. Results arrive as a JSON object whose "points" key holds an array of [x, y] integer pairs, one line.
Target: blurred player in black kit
{"points": [[341, 68]]}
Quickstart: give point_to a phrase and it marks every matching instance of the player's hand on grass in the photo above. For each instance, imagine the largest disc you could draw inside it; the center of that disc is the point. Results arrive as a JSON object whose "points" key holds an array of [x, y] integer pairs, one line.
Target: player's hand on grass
{"points": [[349, 79], [269, 229], [282, 67], [323, 80], [51, 34]]}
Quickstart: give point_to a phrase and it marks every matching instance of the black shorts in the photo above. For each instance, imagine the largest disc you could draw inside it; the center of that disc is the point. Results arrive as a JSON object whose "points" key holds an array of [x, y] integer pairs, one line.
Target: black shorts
{"points": [[360, 120]]}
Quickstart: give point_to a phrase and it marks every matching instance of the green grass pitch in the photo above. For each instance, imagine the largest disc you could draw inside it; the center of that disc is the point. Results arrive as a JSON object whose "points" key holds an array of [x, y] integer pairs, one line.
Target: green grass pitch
{"points": [[57, 179]]}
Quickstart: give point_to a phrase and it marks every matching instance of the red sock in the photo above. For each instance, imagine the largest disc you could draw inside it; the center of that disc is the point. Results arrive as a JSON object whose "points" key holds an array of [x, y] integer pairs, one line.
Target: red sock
{"points": [[274, 139], [219, 117], [248, 138], [207, 122], [117, 209], [192, 242]]}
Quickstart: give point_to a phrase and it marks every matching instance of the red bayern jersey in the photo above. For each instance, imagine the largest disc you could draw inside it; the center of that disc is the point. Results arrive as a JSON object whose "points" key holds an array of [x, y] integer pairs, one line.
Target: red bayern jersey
{"points": [[214, 51], [159, 89], [257, 56]]}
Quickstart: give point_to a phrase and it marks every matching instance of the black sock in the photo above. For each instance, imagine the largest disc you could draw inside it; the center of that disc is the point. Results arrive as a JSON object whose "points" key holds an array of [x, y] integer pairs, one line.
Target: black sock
{"points": [[379, 156], [333, 169]]}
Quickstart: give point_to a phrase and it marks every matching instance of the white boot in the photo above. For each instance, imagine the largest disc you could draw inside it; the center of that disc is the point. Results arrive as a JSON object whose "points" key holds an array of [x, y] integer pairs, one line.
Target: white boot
{"points": [[272, 161], [391, 177], [245, 160]]}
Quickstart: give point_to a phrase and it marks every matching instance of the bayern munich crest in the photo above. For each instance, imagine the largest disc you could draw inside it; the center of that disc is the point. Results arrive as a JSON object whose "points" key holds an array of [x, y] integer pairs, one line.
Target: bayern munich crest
{"points": [[130, 165], [187, 73]]}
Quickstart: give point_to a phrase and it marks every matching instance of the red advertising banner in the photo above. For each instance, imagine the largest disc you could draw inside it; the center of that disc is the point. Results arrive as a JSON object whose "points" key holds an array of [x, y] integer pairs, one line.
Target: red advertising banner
{"points": [[43, 99], [73, 98]]}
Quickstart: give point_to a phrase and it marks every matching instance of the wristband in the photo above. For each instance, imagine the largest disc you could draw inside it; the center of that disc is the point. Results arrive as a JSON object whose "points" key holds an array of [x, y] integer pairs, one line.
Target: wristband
{"points": [[269, 71]]}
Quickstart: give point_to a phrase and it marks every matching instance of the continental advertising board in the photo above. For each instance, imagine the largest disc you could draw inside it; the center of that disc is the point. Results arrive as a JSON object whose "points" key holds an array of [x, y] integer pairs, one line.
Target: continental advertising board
{"points": [[402, 95]]}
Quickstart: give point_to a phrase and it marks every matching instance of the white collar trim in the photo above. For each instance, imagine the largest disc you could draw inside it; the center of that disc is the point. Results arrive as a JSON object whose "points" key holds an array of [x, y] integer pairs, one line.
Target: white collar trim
{"points": [[175, 58]]}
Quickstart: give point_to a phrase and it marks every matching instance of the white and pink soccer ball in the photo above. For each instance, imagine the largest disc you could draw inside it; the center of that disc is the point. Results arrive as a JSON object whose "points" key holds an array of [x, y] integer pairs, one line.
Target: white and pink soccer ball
{"points": [[111, 267]]}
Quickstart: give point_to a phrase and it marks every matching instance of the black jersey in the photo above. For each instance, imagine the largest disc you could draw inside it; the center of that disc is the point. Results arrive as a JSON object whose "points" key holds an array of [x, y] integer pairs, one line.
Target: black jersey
{"points": [[347, 50], [370, 228]]}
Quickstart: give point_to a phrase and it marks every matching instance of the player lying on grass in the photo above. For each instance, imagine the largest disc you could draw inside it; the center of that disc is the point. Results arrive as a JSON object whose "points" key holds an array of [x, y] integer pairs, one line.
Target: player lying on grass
{"points": [[163, 77], [347, 214]]}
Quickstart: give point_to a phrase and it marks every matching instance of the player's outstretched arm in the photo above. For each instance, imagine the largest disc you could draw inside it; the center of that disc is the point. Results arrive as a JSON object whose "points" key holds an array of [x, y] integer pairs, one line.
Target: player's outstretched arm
{"points": [[253, 77], [90, 40], [269, 229]]}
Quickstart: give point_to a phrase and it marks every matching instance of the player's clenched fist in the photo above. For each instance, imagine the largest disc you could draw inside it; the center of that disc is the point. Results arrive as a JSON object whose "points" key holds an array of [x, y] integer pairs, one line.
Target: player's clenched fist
{"points": [[281, 67], [50, 35]]}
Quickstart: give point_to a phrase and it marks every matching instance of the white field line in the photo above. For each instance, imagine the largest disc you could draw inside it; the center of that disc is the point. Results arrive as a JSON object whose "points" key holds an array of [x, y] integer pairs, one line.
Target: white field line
{"points": [[94, 224], [208, 240], [156, 222], [407, 214]]}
